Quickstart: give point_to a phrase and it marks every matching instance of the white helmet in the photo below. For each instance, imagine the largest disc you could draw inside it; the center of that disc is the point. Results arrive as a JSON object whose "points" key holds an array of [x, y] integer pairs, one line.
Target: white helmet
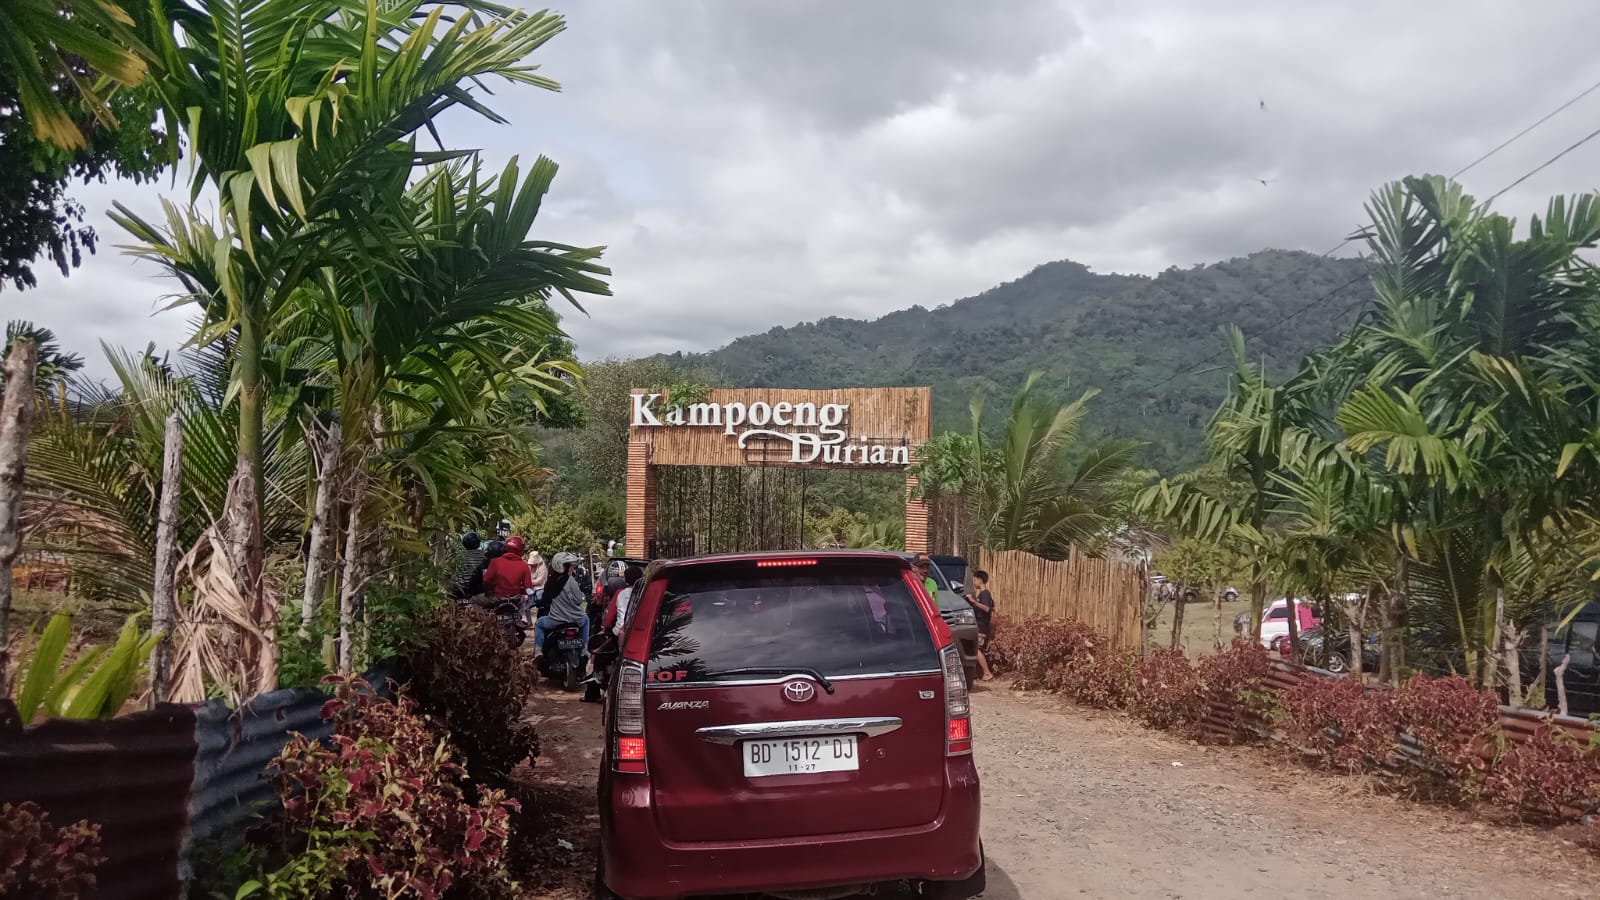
{"points": [[562, 560]]}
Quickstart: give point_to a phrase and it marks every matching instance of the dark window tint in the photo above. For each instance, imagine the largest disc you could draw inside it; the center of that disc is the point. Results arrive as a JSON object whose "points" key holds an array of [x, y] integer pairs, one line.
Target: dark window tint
{"points": [[838, 620]]}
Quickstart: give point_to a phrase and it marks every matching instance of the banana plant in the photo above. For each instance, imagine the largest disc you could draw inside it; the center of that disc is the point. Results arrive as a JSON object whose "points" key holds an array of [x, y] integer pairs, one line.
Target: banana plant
{"points": [[95, 685]]}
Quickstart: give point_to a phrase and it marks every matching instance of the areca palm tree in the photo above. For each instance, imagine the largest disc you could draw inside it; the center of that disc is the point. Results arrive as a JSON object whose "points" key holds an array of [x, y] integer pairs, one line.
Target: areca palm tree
{"points": [[1462, 395], [303, 115]]}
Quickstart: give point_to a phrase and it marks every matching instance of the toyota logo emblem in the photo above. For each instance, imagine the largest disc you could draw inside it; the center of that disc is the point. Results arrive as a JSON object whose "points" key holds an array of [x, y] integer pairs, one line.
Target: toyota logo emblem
{"points": [[799, 691]]}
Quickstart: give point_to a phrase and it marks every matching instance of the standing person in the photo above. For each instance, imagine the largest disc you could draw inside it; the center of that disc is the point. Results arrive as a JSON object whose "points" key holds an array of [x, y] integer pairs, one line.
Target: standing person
{"points": [[983, 610], [922, 564], [508, 576]]}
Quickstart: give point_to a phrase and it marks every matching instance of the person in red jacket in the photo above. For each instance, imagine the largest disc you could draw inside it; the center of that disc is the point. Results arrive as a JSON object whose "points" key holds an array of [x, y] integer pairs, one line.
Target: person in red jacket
{"points": [[508, 575]]}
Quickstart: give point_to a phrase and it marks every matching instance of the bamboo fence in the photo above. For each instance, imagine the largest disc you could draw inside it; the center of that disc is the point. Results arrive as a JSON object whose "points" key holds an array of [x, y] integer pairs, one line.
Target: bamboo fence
{"points": [[1104, 593]]}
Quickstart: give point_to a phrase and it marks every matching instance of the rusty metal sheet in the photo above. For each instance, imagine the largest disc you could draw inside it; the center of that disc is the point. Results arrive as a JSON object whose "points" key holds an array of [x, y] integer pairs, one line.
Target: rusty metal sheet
{"points": [[131, 775]]}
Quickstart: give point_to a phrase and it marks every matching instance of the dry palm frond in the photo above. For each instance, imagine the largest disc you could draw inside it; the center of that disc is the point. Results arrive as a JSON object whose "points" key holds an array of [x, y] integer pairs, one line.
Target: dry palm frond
{"points": [[214, 624]]}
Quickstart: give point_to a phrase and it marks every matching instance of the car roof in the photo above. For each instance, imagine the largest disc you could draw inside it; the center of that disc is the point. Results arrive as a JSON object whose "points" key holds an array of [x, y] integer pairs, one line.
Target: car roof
{"points": [[691, 562]]}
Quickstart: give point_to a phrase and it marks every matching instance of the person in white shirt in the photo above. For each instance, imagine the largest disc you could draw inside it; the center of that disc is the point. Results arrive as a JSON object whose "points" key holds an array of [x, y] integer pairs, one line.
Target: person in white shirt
{"points": [[632, 575]]}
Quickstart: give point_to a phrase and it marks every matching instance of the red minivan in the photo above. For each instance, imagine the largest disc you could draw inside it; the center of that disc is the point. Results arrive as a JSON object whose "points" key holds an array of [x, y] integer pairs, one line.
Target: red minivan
{"points": [[787, 724]]}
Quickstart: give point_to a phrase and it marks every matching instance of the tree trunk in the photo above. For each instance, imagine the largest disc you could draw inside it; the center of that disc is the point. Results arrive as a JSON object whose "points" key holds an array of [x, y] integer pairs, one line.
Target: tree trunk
{"points": [[1357, 642], [1258, 599], [1294, 627], [1216, 617], [1512, 641], [1497, 638], [16, 421], [1393, 651], [1177, 618], [353, 579], [1561, 684], [1544, 663], [164, 598], [241, 512], [326, 447]]}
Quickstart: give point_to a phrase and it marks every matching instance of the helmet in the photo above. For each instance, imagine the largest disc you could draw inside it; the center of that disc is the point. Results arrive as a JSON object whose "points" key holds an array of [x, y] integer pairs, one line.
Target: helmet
{"points": [[516, 544], [562, 560], [470, 540], [494, 549]]}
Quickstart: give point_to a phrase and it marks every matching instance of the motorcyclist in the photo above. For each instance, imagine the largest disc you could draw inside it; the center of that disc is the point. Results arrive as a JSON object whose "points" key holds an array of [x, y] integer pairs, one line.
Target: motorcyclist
{"points": [[468, 579], [508, 576], [541, 574], [565, 594]]}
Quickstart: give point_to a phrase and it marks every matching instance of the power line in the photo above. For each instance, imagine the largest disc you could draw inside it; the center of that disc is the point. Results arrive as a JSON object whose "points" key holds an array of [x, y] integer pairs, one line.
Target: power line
{"points": [[1546, 164], [1456, 174]]}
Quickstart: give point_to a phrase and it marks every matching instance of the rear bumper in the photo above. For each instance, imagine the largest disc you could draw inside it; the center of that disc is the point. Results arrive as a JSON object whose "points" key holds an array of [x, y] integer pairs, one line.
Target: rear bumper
{"points": [[640, 864], [966, 639]]}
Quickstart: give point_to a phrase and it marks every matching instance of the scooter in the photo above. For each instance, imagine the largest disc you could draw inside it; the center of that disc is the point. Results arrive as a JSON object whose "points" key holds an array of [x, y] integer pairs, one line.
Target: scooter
{"points": [[564, 657], [508, 615]]}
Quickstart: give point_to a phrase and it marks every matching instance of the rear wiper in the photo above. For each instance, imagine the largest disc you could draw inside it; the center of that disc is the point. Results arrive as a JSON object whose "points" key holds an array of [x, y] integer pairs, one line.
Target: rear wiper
{"points": [[775, 670]]}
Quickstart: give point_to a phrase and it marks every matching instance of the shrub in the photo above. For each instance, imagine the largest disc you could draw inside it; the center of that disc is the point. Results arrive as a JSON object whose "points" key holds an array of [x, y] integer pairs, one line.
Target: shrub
{"points": [[1453, 722], [37, 859], [1029, 650], [464, 674], [1548, 778], [1101, 678], [1238, 676], [1352, 728], [1167, 692], [380, 812]]}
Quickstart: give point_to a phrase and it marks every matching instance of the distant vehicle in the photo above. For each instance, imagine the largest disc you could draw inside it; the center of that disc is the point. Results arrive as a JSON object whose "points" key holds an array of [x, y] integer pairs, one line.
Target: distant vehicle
{"points": [[1275, 623], [958, 614], [1332, 651], [790, 724], [1578, 639]]}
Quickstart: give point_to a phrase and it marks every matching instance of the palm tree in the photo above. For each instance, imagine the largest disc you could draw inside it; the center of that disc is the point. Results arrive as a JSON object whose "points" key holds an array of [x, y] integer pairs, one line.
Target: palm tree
{"points": [[44, 38], [303, 116], [1462, 397]]}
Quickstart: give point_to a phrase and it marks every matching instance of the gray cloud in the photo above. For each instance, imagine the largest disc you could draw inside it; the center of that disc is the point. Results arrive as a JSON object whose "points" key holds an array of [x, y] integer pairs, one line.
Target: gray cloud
{"points": [[754, 164]]}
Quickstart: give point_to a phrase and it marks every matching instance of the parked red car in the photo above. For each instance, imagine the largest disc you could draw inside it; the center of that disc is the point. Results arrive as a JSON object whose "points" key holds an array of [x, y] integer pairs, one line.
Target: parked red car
{"points": [[787, 724]]}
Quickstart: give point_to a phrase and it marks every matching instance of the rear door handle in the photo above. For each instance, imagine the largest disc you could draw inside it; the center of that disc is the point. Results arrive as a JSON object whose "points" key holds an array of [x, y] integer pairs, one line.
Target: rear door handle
{"points": [[870, 726]]}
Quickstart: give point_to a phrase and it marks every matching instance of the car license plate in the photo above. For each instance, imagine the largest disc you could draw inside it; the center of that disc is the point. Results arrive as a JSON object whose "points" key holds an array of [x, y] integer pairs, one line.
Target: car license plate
{"points": [[800, 756]]}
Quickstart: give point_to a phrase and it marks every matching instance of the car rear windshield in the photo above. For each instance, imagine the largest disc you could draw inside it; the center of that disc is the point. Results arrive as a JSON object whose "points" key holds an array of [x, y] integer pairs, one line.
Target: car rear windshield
{"points": [[835, 620]]}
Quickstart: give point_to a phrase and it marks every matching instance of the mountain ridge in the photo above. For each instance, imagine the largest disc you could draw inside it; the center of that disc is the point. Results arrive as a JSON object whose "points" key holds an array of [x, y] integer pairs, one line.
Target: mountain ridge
{"points": [[1135, 337]]}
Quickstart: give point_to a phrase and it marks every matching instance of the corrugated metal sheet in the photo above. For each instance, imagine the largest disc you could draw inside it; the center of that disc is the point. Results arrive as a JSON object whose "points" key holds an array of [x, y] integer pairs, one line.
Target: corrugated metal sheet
{"points": [[230, 792], [131, 775]]}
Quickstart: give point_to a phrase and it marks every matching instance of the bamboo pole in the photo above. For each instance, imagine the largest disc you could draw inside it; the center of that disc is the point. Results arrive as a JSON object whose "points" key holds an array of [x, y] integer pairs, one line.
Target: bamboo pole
{"points": [[164, 598], [16, 421]]}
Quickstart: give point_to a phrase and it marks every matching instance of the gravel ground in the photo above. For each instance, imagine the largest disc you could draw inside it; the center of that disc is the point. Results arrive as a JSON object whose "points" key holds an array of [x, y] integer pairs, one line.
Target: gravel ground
{"points": [[1085, 804]]}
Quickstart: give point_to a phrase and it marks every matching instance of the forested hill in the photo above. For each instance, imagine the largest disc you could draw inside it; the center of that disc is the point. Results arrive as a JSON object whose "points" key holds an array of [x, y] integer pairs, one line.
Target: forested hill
{"points": [[1127, 335]]}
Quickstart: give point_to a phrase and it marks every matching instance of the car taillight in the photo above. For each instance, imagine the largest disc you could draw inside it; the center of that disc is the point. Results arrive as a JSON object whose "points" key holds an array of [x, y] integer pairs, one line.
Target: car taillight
{"points": [[628, 754], [957, 708]]}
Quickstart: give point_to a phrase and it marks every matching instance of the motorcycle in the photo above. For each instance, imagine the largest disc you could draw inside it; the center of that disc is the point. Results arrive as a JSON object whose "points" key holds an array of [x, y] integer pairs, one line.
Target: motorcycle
{"points": [[509, 616], [564, 656]]}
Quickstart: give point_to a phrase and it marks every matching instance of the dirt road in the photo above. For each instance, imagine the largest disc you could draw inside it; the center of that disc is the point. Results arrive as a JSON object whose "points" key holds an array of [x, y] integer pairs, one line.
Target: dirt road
{"points": [[1085, 804]]}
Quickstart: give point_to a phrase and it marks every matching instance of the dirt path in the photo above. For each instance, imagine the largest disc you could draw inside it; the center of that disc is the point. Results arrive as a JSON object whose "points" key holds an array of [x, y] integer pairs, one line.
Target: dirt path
{"points": [[1085, 804]]}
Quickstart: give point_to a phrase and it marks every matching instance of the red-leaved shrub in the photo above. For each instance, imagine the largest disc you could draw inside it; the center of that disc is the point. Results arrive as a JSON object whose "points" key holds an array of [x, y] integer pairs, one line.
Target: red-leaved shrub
{"points": [[1030, 649], [1101, 678], [38, 859], [1350, 729], [380, 812], [1551, 777], [1452, 722], [1238, 676], [1167, 692]]}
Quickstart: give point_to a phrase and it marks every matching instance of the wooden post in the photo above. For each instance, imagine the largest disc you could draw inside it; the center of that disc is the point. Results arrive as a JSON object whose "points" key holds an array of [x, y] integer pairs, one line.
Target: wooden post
{"points": [[16, 421], [326, 446], [643, 483], [916, 518], [1561, 684], [352, 580], [164, 599]]}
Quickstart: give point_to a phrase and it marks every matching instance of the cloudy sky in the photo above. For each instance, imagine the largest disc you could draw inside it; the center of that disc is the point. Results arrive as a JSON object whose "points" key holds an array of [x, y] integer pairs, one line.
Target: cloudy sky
{"points": [[751, 163]]}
